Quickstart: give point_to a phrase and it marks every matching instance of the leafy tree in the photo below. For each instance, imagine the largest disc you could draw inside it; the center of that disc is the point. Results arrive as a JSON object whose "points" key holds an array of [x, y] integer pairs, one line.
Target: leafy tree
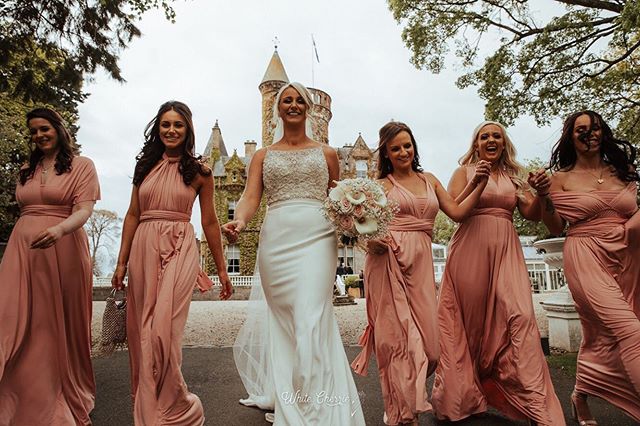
{"points": [[443, 229], [103, 227], [546, 65], [47, 49]]}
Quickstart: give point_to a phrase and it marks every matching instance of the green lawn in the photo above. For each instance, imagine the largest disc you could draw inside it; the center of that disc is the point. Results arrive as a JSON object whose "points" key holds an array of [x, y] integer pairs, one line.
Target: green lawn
{"points": [[565, 362]]}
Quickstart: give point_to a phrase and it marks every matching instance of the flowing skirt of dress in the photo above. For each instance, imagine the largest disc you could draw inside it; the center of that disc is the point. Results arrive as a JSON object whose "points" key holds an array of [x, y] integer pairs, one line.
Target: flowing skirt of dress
{"points": [[46, 377], [310, 372], [402, 327], [163, 271], [602, 267], [489, 339]]}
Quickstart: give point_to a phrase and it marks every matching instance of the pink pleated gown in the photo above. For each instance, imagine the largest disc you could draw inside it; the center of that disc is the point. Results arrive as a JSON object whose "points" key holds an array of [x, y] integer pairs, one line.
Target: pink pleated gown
{"points": [[489, 339], [163, 272], [46, 377], [602, 267], [401, 308]]}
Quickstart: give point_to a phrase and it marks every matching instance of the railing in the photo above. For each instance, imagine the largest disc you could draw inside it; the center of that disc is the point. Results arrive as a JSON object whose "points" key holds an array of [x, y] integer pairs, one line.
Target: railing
{"points": [[236, 280], [543, 278]]}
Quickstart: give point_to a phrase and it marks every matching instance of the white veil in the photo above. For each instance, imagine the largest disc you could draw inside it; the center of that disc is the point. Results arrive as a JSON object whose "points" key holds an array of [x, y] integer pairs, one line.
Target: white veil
{"points": [[251, 350]]}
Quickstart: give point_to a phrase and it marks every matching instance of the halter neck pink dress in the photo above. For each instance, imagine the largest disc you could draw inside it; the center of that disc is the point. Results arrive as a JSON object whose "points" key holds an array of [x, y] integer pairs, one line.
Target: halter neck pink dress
{"points": [[46, 377], [163, 272], [602, 267], [489, 338], [402, 326]]}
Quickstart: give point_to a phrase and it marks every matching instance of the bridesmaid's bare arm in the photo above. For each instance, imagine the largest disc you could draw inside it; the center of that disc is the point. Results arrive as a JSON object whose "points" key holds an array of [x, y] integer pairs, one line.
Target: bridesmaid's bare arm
{"points": [[80, 213], [250, 200], [131, 221], [530, 207], [459, 186], [554, 223], [211, 228], [459, 211]]}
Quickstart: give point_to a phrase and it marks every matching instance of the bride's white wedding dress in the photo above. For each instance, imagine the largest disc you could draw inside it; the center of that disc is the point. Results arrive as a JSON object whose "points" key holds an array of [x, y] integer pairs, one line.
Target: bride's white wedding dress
{"points": [[289, 352]]}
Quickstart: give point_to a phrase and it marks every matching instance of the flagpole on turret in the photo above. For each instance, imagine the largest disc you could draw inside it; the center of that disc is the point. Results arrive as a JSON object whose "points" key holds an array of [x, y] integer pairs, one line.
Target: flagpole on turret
{"points": [[314, 57]]}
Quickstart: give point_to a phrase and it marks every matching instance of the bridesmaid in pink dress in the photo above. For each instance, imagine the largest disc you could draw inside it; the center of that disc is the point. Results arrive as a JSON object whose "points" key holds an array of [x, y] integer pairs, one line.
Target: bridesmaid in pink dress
{"points": [[489, 338], [46, 377], [594, 189], [402, 326], [159, 245]]}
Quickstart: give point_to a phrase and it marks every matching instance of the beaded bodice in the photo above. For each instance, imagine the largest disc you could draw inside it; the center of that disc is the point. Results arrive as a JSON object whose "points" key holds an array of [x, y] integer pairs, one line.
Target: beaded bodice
{"points": [[295, 174]]}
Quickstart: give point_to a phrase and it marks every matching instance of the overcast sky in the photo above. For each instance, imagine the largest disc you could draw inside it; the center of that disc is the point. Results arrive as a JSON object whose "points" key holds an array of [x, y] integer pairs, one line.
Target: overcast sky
{"points": [[214, 56]]}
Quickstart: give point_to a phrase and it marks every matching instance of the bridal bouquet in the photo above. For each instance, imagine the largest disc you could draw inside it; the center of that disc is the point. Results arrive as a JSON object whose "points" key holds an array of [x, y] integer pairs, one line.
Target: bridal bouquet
{"points": [[359, 210]]}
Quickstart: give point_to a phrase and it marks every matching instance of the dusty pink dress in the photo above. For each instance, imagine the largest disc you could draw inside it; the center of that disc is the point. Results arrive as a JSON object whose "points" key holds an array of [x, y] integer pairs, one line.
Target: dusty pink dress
{"points": [[46, 377], [489, 339], [401, 308], [602, 267], [163, 271]]}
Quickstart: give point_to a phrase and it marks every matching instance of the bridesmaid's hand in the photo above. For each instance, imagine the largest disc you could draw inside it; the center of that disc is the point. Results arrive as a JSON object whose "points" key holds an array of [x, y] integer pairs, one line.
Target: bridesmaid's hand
{"points": [[377, 247], [47, 238], [232, 229], [227, 289], [540, 181], [483, 171], [117, 280]]}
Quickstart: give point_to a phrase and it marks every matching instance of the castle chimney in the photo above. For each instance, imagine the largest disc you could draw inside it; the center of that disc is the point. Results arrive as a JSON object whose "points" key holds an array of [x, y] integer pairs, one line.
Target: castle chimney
{"points": [[249, 148]]}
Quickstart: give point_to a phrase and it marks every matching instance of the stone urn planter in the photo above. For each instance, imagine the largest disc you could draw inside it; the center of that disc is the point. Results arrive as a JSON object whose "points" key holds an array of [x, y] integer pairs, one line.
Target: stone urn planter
{"points": [[565, 331]]}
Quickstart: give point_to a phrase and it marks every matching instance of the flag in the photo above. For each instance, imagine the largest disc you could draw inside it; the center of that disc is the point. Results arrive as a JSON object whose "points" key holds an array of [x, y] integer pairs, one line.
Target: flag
{"points": [[315, 49]]}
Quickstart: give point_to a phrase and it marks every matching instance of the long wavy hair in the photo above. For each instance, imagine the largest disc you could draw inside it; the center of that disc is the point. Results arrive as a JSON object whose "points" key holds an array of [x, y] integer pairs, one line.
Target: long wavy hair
{"points": [[386, 134], [507, 161], [67, 148], [616, 152], [153, 148]]}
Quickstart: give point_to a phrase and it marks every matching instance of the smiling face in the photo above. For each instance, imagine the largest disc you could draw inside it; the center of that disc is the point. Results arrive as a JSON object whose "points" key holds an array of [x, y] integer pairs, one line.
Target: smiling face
{"points": [[173, 131], [587, 137], [292, 107], [490, 143], [400, 151], [43, 135]]}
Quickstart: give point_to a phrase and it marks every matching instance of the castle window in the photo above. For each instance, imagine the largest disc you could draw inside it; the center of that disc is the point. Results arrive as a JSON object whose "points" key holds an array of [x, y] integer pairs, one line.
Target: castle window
{"points": [[361, 168], [234, 177], [231, 211], [233, 259]]}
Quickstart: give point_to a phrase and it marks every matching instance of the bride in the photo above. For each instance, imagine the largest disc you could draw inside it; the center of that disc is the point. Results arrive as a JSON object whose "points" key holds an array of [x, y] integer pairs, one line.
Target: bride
{"points": [[289, 352]]}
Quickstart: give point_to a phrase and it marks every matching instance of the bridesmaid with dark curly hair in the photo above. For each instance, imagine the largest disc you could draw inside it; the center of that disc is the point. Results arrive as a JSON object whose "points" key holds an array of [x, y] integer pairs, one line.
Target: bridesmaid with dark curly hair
{"points": [[46, 376], [159, 245], [594, 190]]}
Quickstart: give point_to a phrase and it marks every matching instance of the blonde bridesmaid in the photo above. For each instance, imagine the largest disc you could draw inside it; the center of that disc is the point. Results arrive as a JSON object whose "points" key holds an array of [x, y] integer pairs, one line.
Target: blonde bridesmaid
{"points": [[159, 248], [46, 377], [489, 338], [593, 189], [402, 327]]}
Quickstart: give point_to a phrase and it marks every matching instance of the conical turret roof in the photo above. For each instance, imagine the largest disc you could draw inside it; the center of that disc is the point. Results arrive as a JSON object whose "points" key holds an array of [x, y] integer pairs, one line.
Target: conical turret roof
{"points": [[275, 71]]}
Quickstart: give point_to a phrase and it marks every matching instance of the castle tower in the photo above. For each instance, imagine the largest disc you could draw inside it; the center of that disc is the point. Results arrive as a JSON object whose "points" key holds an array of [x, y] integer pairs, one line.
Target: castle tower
{"points": [[320, 115], [274, 78], [215, 146]]}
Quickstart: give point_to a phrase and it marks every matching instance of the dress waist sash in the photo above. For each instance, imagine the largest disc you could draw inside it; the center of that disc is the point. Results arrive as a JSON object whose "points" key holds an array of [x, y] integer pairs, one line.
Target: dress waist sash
{"points": [[597, 227], [61, 211], [164, 215], [407, 223], [493, 211]]}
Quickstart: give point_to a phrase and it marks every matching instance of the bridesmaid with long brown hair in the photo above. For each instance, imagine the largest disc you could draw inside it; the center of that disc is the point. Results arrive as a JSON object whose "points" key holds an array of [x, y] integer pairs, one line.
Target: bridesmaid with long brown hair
{"points": [[489, 338], [46, 377], [593, 189], [402, 327], [159, 248]]}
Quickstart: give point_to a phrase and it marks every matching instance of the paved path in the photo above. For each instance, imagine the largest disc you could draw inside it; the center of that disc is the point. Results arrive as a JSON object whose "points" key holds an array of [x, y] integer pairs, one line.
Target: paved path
{"points": [[210, 373]]}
